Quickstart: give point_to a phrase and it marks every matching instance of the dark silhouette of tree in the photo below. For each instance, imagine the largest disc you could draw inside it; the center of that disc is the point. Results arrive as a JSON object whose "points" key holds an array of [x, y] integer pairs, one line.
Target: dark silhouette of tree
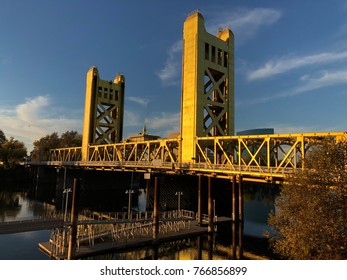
{"points": [[2, 137], [70, 139], [310, 221], [53, 141], [12, 152]]}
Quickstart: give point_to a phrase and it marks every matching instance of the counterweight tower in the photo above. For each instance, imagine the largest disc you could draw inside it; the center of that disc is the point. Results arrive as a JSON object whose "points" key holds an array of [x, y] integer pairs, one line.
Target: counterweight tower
{"points": [[207, 104], [103, 111]]}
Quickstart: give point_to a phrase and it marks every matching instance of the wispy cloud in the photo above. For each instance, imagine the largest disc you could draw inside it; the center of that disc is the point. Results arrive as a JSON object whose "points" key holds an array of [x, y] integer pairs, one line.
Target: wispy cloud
{"points": [[243, 21], [139, 100], [170, 73], [29, 121], [309, 83], [324, 79], [285, 64], [164, 123], [161, 124]]}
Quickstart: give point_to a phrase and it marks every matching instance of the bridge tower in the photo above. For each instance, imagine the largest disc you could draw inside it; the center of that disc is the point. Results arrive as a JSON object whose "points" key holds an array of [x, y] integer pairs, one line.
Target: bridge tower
{"points": [[207, 104], [103, 111]]}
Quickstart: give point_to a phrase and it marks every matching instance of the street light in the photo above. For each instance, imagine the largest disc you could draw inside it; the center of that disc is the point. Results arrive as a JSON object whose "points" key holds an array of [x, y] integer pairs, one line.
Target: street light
{"points": [[129, 191], [66, 191], [179, 200]]}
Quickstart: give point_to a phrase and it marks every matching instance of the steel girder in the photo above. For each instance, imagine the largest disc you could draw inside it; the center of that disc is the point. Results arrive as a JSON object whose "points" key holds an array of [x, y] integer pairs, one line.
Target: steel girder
{"points": [[256, 156]]}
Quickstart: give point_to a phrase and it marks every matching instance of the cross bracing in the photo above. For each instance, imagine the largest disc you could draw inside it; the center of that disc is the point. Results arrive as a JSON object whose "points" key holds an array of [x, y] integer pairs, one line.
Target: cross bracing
{"points": [[255, 157]]}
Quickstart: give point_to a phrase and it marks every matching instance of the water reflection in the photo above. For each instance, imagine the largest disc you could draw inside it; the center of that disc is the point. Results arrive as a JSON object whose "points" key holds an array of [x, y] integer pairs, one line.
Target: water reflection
{"points": [[10, 205], [259, 201], [18, 206], [230, 241], [202, 247], [22, 246]]}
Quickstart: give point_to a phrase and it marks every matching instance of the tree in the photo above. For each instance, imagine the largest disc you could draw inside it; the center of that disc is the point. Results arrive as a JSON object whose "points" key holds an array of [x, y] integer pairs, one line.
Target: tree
{"points": [[2, 137], [70, 139], [43, 145], [12, 152], [53, 141], [310, 221]]}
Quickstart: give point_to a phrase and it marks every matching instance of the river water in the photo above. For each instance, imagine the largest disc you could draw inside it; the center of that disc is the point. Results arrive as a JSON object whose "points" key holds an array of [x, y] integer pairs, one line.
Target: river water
{"points": [[258, 203]]}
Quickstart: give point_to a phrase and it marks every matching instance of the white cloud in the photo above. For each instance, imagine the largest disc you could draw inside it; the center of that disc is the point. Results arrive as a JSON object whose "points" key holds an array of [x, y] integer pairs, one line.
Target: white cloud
{"points": [[132, 118], [170, 73], [244, 21], [325, 79], [33, 119], [139, 100], [285, 64], [161, 124], [308, 83], [164, 123]]}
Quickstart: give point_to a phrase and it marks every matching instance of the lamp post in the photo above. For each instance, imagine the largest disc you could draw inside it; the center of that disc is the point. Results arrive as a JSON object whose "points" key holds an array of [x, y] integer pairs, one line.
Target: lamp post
{"points": [[179, 201], [66, 191], [129, 192]]}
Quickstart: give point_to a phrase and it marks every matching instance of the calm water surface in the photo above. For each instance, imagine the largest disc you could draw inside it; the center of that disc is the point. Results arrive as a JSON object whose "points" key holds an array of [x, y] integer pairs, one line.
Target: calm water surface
{"points": [[19, 206]]}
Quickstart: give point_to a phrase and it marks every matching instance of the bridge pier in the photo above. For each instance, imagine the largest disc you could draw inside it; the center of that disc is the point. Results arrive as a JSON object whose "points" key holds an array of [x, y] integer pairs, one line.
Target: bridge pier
{"points": [[74, 218], [240, 198], [237, 199], [210, 206], [199, 200], [237, 217], [155, 209]]}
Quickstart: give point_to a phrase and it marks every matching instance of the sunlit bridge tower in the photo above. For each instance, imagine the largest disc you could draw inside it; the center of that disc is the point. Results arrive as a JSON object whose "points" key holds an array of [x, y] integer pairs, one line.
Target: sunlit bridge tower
{"points": [[103, 111], [207, 104]]}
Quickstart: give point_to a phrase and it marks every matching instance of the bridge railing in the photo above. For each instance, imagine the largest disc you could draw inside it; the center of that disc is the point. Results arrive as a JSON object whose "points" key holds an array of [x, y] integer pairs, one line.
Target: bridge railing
{"points": [[275, 153], [258, 155]]}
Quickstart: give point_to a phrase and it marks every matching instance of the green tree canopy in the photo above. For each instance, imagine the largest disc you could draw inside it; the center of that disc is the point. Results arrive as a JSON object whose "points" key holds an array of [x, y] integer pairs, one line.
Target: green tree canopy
{"points": [[2, 137], [12, 152], [310, 221], [54, 141]]}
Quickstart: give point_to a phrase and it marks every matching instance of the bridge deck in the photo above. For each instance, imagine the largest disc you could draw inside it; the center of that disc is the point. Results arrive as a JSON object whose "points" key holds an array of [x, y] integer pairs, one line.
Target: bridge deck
{"points": [[255, 157]]}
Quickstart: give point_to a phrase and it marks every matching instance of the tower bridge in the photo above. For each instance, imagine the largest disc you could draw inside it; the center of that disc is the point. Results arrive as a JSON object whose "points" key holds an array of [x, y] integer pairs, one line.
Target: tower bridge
{"points": [[264, 158], [206, 144]]}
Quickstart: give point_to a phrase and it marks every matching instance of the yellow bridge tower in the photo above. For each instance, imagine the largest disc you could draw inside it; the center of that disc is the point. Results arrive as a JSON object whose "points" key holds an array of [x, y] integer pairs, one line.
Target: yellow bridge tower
{"points": [[207, 104], [103, 111]]}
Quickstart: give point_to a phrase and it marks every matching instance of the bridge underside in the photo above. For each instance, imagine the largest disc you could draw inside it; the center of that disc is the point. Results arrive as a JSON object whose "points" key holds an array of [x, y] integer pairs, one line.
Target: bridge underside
{"points": [[268, 158]]}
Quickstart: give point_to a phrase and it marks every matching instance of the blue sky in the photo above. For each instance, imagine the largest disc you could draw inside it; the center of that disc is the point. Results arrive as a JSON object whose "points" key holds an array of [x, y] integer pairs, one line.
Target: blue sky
{"points": [[290, 62]]}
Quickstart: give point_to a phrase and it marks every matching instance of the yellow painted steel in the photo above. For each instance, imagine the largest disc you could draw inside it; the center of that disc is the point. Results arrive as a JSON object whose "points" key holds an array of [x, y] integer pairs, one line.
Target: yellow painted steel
{"points": [[255, 157], [103, 111], [206, 144], [207, 104]]}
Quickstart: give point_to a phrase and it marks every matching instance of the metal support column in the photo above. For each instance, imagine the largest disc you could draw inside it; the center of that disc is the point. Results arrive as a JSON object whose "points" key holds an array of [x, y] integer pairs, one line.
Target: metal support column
{"points": [[233, 240], [234, 201], [239, 253], [155, 209], [240, 202], [74, 218], [199, 201], [209, 209]]}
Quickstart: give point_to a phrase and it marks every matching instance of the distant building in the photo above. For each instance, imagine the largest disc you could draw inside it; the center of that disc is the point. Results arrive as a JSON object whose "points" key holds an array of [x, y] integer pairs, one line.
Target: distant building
{"points": [[173, 135], [143, 136], [256, 131]]}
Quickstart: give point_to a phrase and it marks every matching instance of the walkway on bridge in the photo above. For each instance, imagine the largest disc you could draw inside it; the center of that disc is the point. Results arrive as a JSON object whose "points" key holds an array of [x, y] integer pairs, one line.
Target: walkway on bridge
{"points": [[255, 157]]}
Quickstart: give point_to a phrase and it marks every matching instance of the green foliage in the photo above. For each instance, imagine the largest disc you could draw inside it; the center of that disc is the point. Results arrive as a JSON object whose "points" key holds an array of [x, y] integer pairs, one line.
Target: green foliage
{"points": [[310, 221], [53, 141], [12, 152], [2, 137]]}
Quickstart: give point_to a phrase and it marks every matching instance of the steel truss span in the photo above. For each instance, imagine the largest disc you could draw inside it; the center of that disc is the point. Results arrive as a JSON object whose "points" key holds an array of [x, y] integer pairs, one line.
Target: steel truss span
{"points": [[255, 157]]}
